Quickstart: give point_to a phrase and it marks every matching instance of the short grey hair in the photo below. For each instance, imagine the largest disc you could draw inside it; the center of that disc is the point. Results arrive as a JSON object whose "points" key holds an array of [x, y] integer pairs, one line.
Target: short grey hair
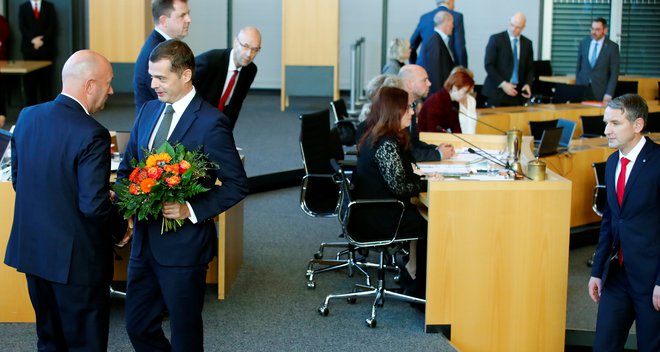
{"points": [[632, 105]]}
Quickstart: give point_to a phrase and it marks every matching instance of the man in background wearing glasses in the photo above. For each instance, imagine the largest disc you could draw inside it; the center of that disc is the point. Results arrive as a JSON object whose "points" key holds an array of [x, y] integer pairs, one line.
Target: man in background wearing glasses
{"points": [[224, 76]]}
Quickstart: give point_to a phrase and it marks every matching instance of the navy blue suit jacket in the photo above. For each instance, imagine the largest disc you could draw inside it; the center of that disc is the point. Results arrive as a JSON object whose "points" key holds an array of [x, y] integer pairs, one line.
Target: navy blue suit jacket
{"points": [[211, 74], [499, 62], [635, 226], [438, 62], [424, 31], [604, 75], [141, 78], [31, 27], [60, 171], [201, 125]]}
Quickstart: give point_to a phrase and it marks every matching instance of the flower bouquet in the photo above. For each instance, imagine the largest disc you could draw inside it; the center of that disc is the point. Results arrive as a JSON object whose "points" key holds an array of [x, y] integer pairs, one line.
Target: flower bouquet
{"points": [[168, 174]]}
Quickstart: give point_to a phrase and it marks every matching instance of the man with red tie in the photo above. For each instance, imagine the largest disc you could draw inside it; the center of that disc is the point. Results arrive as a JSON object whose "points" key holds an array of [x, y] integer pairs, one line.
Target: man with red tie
{"points": [[38, 23], [224, 76], [625, 277]]}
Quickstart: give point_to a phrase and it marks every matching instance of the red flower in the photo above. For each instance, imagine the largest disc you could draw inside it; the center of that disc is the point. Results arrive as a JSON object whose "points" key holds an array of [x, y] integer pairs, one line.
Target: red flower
{"points": [[134, 188], [183, 166], [173, 181], [146, 184], [154, 172], [134, 174], [174, 169]]}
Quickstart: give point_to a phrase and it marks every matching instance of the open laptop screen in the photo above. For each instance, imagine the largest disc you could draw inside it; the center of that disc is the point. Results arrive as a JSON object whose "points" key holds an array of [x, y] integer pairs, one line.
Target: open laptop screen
{"points": [[549, 141], [567, 134]]}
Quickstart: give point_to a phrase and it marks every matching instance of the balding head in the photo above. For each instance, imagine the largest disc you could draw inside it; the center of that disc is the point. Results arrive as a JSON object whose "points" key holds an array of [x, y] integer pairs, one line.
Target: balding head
{"points": [[247, 45], [444, 22], [517, 24], [87, 76], [415, 81]]}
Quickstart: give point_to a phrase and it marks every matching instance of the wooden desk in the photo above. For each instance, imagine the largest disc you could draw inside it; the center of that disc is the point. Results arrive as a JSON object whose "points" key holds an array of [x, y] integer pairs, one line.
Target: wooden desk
{"points": [[647, 87], [22, 68], [498, 283]]}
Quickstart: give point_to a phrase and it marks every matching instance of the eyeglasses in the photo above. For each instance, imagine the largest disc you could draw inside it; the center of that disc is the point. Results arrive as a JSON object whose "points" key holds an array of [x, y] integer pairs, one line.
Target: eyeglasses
{"points": [[247, 47]]}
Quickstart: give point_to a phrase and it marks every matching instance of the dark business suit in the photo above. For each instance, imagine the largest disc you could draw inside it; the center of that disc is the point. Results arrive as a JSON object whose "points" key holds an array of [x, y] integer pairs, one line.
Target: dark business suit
{"points": [[169, 270], [438, 62], [141, 78], [31, 27], [635, 228], [499, 67], [210, 77], [60, 236], [605, 73], [424, 31]]}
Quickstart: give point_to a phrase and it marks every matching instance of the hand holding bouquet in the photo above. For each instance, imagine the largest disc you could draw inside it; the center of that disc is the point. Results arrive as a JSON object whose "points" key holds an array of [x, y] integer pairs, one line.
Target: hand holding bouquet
{"points": [[168, 174]]}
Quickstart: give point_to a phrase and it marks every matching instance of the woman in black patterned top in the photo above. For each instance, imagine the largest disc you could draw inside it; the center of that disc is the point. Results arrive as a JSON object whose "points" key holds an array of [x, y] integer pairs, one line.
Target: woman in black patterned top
{"points": [[385, 170]]}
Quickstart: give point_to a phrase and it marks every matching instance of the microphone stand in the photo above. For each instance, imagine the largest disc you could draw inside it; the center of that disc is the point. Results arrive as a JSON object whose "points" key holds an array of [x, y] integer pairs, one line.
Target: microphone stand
{"points": [[477, 120]]}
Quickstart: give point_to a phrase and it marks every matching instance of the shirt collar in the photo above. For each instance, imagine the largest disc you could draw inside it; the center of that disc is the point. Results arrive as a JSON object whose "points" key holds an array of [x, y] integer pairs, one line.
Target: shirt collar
{"points": [[634, 153], [232, 64], [167, 37], [444, 37], [180, 105], [77, 101], [600, 42]]}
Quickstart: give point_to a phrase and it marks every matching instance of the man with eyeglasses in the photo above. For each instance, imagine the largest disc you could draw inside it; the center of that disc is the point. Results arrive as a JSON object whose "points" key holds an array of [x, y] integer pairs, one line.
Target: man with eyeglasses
{"points": [[598, 63], [172, 21], [224, 76], [509, 65]]}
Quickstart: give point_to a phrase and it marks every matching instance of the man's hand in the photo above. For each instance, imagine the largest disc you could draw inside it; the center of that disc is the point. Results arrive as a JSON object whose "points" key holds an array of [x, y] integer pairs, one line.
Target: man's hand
{"points": [[595, 287], [656, 298], [607, 98], [447, 150], [175, 211], [526, 91], [38, 42], [509, 89]]}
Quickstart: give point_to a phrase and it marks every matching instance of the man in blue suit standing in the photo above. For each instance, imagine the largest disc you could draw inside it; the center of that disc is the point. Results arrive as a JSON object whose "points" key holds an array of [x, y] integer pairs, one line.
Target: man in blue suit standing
{"points": [[625, 276], [60, 236], [168, 271], [172, 20], [424, 31], [598, 63]]}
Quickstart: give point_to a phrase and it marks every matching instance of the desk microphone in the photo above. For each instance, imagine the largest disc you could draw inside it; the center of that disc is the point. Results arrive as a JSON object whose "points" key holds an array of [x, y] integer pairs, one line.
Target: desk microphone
{"points": [[475, 119]]}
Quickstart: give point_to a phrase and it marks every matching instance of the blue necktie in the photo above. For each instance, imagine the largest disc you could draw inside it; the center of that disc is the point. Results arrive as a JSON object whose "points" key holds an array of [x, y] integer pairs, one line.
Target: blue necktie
{"points": [[594, 55], [514, 75]]}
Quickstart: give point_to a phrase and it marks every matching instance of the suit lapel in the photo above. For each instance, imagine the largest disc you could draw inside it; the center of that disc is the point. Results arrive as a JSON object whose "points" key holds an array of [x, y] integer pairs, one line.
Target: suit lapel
{"points": [[610, 173], [189, 116], [143, 141], [640, 163]]}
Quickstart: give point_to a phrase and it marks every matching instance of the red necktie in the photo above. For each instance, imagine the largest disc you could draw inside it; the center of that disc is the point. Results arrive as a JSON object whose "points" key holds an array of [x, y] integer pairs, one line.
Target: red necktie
{"points": [[36, 11], [230, 86], [620, 188]]}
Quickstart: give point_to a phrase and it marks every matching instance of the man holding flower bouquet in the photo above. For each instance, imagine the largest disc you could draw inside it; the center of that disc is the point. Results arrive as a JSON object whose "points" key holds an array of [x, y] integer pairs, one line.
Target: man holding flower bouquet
{"points": [[167, 268]]}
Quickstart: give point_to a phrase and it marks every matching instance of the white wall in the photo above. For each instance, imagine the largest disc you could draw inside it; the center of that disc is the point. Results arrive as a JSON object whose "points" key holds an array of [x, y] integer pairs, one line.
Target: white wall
{"points": [[358, 18]]}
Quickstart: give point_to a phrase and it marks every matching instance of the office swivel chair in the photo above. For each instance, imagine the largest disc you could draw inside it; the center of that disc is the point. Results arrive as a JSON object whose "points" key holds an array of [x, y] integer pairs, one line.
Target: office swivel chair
{"points": [[542, 90], [351, 210], [653, 122], [600, 196], [345, 125], [568, 93], [592, 126], [319, 194], [625, 87]]}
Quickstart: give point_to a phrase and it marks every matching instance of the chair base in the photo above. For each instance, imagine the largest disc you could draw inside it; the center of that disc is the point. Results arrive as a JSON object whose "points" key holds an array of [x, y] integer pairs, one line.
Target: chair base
{"points": [[333, 264]]}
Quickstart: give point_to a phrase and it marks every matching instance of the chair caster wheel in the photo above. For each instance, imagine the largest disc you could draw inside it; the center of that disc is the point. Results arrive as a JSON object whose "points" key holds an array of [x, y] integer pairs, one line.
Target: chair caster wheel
{"points": [[318, 255], [351, 300], [323, 310], [396, 279], [311, 285], [371, 322]]}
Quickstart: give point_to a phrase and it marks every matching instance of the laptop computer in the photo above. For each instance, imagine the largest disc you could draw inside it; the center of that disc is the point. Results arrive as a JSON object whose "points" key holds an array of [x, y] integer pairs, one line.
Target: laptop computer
{"points": [[567, 134], [5, 139], [536, 129], [549, 141]]}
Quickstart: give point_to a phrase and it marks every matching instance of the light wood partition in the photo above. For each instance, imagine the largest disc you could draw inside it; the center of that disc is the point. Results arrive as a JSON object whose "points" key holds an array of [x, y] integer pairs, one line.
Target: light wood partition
{"points": [[15, 306], [118, 28], [310, 38], [498, 260]]}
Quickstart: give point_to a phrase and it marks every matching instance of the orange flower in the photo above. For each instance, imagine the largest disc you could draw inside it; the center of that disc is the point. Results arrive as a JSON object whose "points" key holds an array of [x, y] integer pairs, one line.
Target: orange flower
{"points": [[154, 172], [146, 185], [183, 166], [173, 181], [134, 188], [134, 174], [163, 158], [174, 169]]}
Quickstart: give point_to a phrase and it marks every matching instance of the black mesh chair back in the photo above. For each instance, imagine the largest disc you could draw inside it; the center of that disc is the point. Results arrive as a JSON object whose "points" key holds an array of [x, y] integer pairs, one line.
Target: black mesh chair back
{"points": [[536, 128], [320, 193], [542, 90], [339, 109], [600, 196], [592, 126], [625, 87], [482, 100], [653, 122], [568, 93], [344, 125]]}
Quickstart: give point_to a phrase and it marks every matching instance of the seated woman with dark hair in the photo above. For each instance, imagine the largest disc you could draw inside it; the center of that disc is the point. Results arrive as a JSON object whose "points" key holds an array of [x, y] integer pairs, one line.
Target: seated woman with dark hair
{"points": [[384, 170], [440, 112]]}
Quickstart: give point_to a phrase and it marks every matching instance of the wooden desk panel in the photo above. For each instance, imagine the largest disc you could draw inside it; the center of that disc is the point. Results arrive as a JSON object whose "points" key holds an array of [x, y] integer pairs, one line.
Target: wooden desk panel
{"points": [[22, 66]]}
